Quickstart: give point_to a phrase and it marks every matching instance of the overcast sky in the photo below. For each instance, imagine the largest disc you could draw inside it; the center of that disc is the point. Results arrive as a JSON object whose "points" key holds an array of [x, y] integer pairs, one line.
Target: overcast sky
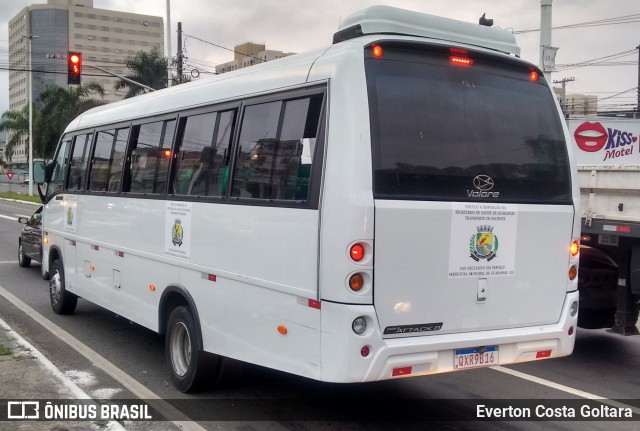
{"points": [[300, 25]]}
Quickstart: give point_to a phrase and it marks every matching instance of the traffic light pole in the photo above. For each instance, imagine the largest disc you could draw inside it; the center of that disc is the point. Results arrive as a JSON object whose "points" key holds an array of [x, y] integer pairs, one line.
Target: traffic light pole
{"points": [[124, 78]]}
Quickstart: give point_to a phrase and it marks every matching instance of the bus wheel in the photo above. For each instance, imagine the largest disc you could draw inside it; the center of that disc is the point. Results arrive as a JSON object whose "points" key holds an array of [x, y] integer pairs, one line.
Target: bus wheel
{"points": [[191, 369], [62, 302]]}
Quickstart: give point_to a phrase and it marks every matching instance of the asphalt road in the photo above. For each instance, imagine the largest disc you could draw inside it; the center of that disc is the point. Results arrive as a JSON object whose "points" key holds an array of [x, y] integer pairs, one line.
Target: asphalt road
{"points": [[255, 398]]}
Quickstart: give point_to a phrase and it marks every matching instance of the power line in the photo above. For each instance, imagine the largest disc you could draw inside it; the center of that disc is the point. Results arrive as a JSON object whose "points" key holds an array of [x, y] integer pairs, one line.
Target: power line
{"points": [[626, 19], [223, 47]]}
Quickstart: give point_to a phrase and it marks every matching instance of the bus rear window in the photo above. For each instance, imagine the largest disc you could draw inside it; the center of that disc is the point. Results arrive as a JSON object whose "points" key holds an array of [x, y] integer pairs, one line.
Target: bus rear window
{"points": [[441, 131]]}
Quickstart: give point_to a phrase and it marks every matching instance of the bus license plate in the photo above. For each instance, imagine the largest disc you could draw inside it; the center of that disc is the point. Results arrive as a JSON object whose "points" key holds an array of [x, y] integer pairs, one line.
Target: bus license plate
{"points": [[476, 357]]}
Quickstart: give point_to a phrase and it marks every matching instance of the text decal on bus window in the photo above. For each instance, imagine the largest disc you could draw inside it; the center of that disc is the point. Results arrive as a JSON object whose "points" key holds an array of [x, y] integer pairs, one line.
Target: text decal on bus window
{"points": [[483, 240], [177, 230]]}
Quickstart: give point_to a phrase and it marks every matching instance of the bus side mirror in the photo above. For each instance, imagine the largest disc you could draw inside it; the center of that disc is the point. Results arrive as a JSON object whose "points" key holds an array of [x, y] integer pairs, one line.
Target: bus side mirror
{"points": [[38, 172]]}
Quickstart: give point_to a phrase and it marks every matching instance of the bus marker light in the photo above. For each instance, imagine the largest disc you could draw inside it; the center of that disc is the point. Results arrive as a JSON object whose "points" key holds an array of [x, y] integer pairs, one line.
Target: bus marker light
{"points": [[211, 277], [356, 282], [570, 332], [402, 371], [314, 304], [46, 240], [282, 329], [543, 354], [92, 267], [377, 51], [365, 351], [121, 253], [95, 247], [356, 252], [533, 76], [152, 287]]}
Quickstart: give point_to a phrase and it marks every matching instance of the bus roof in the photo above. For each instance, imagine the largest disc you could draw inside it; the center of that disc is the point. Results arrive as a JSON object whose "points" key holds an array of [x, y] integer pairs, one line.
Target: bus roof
{"points": [[393, 21]]}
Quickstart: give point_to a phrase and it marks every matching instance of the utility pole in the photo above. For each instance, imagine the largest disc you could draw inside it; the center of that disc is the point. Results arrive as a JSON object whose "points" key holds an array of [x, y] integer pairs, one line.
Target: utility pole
{"points": [[547, 52], [179, 54], [169, 43], [637, 113], [564, 92]]}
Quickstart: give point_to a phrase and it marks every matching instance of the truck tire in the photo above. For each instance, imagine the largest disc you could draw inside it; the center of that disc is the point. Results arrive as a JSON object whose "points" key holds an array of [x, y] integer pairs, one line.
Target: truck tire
{"points": [[62, 302], [191, 369]]}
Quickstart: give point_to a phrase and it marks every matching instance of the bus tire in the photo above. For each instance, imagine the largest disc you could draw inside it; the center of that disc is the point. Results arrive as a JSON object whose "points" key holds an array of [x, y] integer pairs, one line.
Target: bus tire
{"points": [[191, 369], [62, 302]]}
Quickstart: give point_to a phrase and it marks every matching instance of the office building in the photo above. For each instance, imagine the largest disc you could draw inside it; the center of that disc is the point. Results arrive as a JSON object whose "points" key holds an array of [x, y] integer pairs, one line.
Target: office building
{"points": [[248, 54], [106, 38]]}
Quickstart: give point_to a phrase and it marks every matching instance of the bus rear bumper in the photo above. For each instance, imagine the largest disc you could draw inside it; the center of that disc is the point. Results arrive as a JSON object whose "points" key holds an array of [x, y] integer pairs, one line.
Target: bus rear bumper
{"points": [[431, 354]]}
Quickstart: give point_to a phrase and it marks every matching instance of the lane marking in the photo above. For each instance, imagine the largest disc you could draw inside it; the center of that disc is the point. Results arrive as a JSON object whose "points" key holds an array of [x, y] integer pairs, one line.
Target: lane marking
{"points": [[8, 217], [8, 261], [135, 387], [564, 388], [53, 370]]}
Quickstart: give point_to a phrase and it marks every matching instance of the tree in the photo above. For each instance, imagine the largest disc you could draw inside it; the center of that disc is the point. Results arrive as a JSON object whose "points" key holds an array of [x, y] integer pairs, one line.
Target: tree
{"points": [[148, 68], [16, 122], [60, 107]]}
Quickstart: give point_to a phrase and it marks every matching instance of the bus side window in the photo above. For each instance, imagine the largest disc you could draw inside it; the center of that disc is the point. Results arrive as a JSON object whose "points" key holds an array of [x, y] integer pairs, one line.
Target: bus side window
{"points": [[203, 164], [195, 149], [60, 167], [79, 162], [107, 161], [150, 157], [276, 149]]}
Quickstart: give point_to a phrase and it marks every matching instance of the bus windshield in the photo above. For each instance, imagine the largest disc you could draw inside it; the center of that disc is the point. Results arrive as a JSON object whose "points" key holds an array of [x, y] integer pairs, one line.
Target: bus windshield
{"points": [[487, 130]]}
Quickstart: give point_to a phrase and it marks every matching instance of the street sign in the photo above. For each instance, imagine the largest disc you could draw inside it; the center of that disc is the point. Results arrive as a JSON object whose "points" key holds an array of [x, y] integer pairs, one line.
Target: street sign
{"points": [[10, 175]]}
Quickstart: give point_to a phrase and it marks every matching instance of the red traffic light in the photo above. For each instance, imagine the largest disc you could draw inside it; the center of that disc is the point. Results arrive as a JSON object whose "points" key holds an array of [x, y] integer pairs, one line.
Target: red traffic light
{"points": [[74, 68]]}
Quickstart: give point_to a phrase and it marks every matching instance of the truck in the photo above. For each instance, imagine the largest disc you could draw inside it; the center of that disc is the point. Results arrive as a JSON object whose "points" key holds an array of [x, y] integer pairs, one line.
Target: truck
{"points": [[607, 153]]}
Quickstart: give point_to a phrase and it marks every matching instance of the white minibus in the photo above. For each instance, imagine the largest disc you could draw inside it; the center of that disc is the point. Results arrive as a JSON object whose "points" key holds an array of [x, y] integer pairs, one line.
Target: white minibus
{"points": [[400, 203]]}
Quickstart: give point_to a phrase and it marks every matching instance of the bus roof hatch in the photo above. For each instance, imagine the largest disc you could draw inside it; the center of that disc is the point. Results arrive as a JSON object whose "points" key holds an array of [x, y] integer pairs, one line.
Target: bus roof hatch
{"points": [[394, 21]]}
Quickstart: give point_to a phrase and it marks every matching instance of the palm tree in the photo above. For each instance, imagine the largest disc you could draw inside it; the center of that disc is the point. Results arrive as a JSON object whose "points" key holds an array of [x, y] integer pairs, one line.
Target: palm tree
{"points": [[16, 122], [148, 68], [60, 106]]}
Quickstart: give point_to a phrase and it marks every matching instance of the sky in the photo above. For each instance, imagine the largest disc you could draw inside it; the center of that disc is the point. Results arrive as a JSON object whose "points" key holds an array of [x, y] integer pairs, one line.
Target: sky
{"points": [[301, 25]]}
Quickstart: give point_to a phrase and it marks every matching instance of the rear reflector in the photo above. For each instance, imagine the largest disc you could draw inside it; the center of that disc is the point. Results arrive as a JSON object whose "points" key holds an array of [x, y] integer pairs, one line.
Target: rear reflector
{"points": [[314, 304], [543, 354], [402, 371]]}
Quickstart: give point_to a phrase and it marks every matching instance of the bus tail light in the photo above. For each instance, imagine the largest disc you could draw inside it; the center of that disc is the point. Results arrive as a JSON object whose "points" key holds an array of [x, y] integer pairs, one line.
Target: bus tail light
{"points": [[573, 272], [359, 325], [574, 248], [460, 61], [356, 282], [357, 252]]}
